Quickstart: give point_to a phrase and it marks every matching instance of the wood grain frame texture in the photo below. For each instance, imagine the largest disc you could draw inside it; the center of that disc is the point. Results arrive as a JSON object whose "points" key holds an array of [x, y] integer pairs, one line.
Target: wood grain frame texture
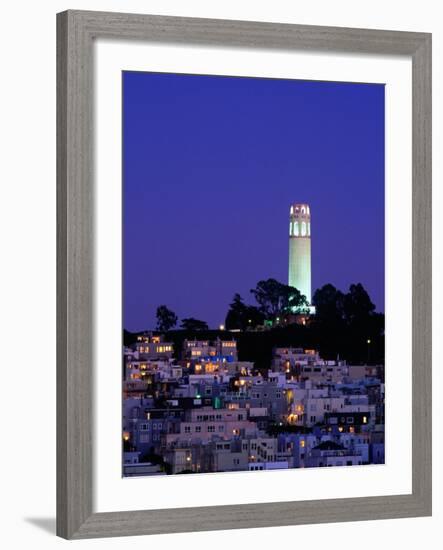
{"points": [[76, 31]]}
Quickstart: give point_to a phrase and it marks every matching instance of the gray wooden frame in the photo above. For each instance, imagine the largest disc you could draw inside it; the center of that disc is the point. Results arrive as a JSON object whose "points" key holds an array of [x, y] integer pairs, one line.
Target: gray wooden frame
{"points": [[76, 31]]}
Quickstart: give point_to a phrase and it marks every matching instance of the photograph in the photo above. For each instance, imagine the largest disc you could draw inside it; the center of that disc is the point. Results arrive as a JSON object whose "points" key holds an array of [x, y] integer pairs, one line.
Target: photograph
{"points": [[253, 274]]}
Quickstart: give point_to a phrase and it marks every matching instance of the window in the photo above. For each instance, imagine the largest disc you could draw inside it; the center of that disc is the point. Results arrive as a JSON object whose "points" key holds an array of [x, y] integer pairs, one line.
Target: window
{"points": [[198, 429], [303, 229], [211, 428], [187, 429]]}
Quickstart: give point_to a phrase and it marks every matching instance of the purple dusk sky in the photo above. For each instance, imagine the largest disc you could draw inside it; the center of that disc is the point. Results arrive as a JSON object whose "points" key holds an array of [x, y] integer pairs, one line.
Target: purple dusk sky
{"points": [[211, 166]]}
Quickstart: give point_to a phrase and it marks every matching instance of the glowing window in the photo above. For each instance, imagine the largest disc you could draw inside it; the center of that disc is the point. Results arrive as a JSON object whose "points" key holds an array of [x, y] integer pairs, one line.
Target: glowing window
{"points": [[307, 210], [303, 229], [295, 233], [292, 209], [309, 229], [303, 210], [290, 228]]}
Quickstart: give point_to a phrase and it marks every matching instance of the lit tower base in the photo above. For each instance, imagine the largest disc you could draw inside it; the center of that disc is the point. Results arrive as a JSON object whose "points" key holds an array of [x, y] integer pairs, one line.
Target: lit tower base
{"points": [[300, 250]]}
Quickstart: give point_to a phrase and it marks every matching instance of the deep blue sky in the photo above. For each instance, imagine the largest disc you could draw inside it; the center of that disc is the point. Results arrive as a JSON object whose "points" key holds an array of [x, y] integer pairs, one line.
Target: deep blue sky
{"points": [[211, 166]]}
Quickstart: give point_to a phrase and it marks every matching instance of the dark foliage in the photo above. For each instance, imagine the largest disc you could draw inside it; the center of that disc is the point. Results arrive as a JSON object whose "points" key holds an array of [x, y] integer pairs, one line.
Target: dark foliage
{"points": [[192, 324], [345, 325], [242, 316], [166, 319], [275, 298]]}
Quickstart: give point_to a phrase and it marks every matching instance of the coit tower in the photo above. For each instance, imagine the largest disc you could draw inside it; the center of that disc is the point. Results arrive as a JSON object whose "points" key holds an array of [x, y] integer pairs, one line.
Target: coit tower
{"points": [[300, 249]]}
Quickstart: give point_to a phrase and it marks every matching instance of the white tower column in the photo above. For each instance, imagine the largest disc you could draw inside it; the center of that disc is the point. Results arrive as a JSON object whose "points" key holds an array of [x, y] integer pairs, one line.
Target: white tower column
{"points": [[300, 249]]}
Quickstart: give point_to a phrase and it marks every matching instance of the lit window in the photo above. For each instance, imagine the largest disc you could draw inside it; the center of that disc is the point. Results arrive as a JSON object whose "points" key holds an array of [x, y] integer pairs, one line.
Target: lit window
{"points": [[303, 229], [295, 229], [290, 228]]}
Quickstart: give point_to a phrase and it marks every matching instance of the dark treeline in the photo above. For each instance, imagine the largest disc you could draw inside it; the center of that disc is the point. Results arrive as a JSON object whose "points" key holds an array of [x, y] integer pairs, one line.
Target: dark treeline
{"points": [[345, 325]]}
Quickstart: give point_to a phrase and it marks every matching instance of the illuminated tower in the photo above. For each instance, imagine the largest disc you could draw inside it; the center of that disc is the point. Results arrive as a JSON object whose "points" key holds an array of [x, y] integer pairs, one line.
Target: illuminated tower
{"points": [[300, 249]]}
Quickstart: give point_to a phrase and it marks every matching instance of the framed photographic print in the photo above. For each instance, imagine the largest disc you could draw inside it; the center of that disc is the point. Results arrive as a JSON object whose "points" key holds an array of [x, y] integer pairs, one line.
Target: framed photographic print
{"points": [[244, 274]]}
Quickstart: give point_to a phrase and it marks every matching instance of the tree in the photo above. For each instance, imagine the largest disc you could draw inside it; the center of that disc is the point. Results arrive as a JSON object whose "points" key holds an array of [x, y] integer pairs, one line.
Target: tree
{"points": [[192, 324], [275, 298], [268, 295], [329, 303], [296, 302], [242, 316], [166, 319], [346, 324], [357, 304]]}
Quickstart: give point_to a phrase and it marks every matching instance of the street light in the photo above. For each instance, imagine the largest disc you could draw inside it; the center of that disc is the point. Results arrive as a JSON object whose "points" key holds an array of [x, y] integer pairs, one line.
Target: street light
{"points": [[368, 341]]}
